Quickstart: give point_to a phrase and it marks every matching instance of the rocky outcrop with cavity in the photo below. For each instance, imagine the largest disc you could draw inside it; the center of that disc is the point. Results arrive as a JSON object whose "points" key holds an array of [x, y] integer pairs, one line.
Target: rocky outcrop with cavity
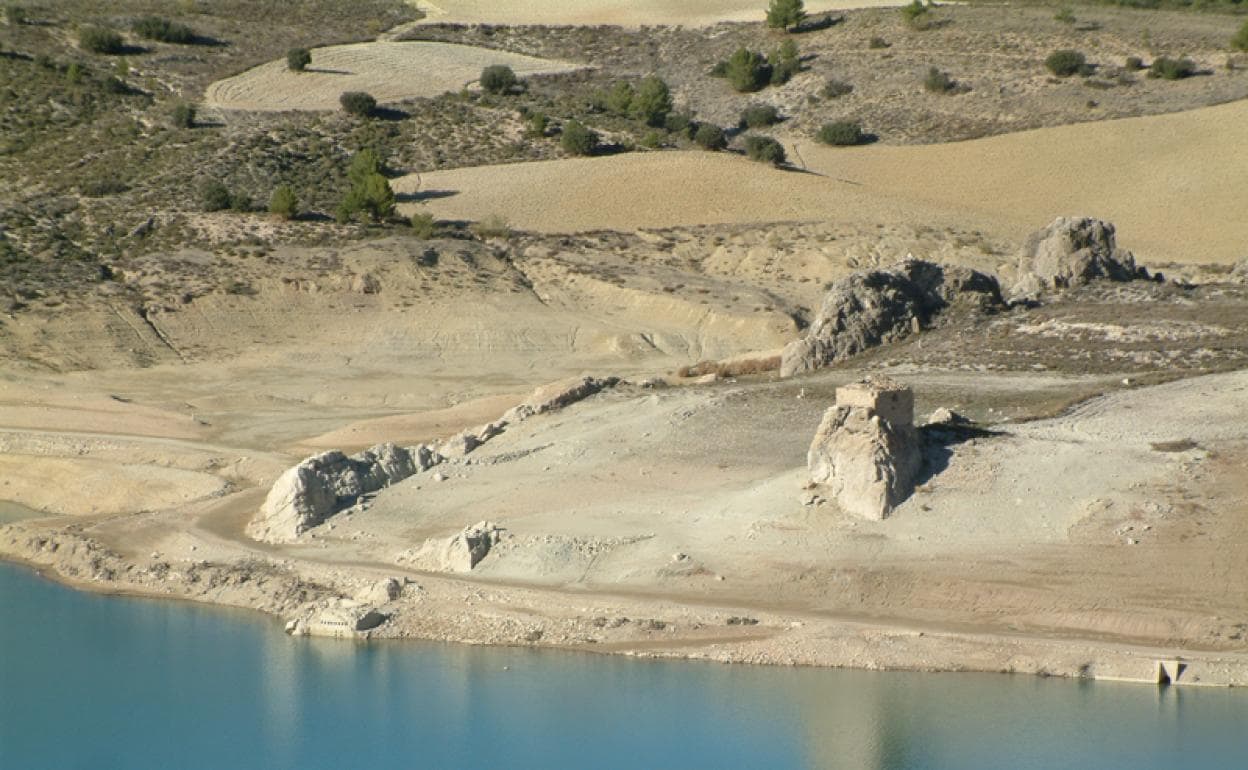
{"points": [[877, 307]]}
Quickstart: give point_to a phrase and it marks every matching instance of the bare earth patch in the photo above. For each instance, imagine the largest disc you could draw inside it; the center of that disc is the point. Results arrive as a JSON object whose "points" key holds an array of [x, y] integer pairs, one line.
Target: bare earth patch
{"points": [[628, 14], [389, 71]]}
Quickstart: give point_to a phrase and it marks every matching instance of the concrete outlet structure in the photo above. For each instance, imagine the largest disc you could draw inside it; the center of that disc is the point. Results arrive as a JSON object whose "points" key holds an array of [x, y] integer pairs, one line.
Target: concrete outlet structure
{"points": [[891, 401]]}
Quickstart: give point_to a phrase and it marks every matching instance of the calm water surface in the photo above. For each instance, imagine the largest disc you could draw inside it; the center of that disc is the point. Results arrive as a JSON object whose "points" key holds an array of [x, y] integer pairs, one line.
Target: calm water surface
{"points": [[96, 682]]}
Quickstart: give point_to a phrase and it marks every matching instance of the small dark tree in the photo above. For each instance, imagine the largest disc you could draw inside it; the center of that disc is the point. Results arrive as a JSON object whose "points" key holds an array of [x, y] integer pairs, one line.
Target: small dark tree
{"points": [[783, 14], [710, 137], [298, 59], [938, 82], [1171, 69], [577, 139], [759, 116], [652, 102], [843, 133], [915, 15], [283, 202], [1240, 41], [680, 123], [498, 79], [364, 164], [100, 40], [358, 103], [785, 63], [747, 70], [183, 115], [214, 196], [764, 149], [156, 28], [1065, 63]]}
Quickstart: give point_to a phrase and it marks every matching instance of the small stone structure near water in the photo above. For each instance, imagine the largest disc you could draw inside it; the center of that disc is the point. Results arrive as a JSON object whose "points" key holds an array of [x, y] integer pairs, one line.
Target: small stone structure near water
{"points": [[867, 451]]}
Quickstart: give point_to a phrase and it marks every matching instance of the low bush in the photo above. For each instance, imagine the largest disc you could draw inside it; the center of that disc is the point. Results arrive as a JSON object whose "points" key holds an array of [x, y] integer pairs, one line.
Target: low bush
{"points": [[652, 140], [1171, 69], [764, 149], [1240, 41], [101, 40], [214, 196], [842, 133], [183, 116], [1065, 63], [878, 42], [577, 139], [298, 59], [680, 123], [785, 63], [283, 203], [710, 137], [498, 79], [1065, 16], [915, 15], [730, 368], [536, 124], [747, 71], [358, 103], [15, 15], [1134, 64], [834, 88], [759, 116], [157, 28], [424, 226], [493, 226], [652, 101], [938, 82]]}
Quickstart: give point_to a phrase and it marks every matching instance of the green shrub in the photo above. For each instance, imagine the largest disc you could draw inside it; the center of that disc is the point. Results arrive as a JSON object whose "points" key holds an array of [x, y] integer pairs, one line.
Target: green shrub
{"points": [[834, 88], [1240, 41], [652, 140], [652, 101], [424, 226], [1065, 16], [183, 115], [915, 14], [577, 139], [680, 123], [364, 164], [498, 79], [493, 226], [214, 196], [298, 59], [1065, 63], [759, 116], [1134, 64], [100, 40], [241, 202], [156, 28], [843, 133], [1171, 69], [710, 137], [878, 42], [536, 124], [283, 202], [73, 73], [15, 15], [764, 149], [785, 63], [358, 103], [783, 14], [747, 71], [938, 82], [618, 100]]}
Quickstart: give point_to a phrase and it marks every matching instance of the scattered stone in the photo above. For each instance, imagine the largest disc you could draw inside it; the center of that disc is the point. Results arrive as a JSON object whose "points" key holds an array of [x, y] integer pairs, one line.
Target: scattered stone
{"points": [[365, 284], [943, 416], [878, 307], [459, 553], [381, 592], [741, 621], [866, 450]]}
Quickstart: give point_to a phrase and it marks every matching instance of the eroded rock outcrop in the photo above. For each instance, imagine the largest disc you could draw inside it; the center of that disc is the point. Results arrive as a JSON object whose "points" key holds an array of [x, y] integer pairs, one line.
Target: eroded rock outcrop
{"points": [[866, 452], [1072, 251], [878, 307], [320, 486], [458, 553]]}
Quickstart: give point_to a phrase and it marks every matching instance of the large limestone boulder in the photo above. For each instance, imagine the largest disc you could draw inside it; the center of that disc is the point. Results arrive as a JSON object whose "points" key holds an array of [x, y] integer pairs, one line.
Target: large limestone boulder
{"points": [[866, 452], [877, 307], [1072, 251], [320, 486]]}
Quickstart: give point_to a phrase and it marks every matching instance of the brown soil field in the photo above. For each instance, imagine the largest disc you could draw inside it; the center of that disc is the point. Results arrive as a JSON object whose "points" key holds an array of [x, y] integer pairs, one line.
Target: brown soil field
{"points": [[1004, 185], [390, 72]]}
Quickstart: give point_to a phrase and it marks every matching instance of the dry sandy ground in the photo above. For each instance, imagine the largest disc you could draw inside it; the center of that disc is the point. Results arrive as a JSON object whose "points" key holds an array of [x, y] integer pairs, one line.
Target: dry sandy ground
{"points": [[1173, 184], [389, 71], [628, 13]]}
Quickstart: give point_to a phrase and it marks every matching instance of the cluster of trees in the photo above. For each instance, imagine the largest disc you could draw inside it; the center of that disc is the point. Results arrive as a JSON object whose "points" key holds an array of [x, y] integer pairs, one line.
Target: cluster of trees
{"points": [[649, 101], [163, 30], [749, 71]]}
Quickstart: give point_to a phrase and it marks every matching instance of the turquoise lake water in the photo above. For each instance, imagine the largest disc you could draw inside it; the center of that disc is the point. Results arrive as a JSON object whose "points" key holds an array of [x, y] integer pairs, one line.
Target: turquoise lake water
{"points": [[101, 682]]}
